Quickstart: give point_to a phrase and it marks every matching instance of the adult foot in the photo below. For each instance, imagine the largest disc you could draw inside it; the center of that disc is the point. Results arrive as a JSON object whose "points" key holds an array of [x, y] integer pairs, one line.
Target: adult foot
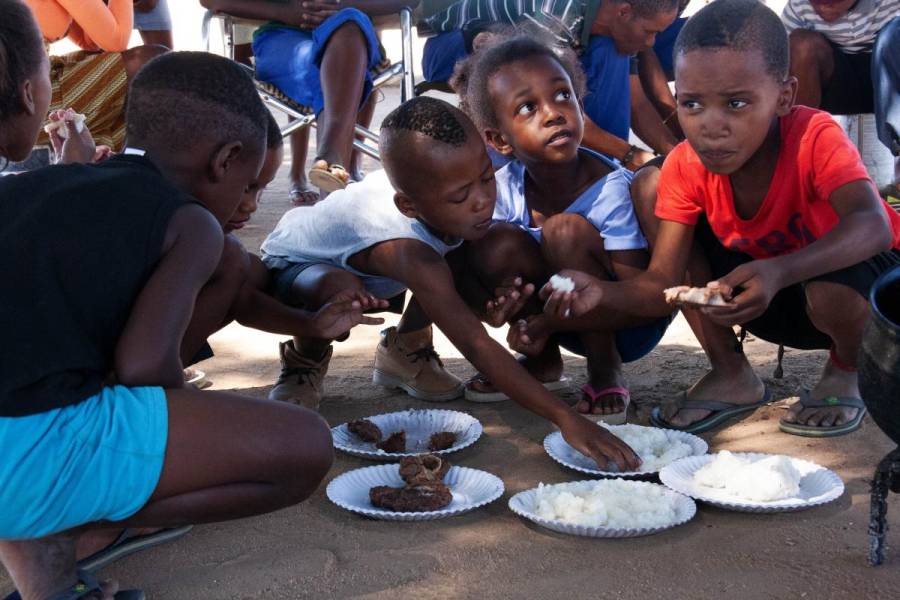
{"points": [[738, 386], [328, 177], [302, 193], [836, 383]]}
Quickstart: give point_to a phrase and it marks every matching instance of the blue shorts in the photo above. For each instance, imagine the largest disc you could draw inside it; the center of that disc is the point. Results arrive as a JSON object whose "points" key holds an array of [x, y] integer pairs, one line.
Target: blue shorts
{"points": [[440, 54], [632, 343], [289, 58], [98, 460], [157, 19]]}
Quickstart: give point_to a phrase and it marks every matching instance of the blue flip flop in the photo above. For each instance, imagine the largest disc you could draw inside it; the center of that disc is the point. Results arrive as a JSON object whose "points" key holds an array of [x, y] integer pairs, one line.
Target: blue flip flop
{"points": [[127, 543], [806, 401], [86, 588], [720, 412]]}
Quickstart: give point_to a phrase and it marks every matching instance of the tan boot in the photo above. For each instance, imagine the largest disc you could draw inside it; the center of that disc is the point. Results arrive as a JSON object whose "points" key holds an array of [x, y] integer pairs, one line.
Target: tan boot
{"points": [[408, 361], [301, 378]]}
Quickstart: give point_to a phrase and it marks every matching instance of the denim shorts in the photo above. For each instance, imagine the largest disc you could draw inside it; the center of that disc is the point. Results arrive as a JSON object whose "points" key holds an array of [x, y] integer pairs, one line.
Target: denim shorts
{"points": [[98, 460], [632, 343], [157, 19]]}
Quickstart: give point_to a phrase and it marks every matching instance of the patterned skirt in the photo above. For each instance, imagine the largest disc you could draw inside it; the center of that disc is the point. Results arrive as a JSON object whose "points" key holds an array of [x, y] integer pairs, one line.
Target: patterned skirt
{"points": [[94, 84]]}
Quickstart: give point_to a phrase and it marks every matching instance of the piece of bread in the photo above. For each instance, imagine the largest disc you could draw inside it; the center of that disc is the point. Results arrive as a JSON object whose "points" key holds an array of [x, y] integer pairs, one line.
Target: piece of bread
{"points": [[60, 126], [705, 296]]}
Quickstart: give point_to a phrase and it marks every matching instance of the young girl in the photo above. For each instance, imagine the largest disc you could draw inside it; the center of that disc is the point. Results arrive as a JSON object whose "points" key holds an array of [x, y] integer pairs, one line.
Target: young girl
{"points": [[558, 206]]}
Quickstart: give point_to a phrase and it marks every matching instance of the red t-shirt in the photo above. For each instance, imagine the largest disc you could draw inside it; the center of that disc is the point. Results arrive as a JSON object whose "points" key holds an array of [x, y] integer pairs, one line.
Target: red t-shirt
{"points": [[815, 158]]}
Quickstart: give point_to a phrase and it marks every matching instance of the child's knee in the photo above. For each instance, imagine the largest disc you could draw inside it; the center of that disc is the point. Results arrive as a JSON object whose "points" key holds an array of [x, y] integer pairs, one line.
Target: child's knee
{"points": [[808, 44], [568, 233], [501, 250], [234, 265], [349, 33], [306, 451], [829, 302], [643, 197]]}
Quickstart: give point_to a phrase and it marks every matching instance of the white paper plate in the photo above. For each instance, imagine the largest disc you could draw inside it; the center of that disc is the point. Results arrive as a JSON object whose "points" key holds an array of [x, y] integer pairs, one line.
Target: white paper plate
{"points": [[471, 489], [419, 426], [523, 504], [560, 451], [818, 485]]}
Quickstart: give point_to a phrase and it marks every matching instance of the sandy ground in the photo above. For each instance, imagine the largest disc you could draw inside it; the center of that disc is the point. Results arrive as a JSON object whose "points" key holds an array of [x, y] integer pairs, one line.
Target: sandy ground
{"points": [[318, 550]]}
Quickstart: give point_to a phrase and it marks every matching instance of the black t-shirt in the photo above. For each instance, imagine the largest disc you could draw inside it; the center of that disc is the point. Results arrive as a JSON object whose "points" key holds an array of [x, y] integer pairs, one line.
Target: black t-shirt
{"points": [[77, 245]]}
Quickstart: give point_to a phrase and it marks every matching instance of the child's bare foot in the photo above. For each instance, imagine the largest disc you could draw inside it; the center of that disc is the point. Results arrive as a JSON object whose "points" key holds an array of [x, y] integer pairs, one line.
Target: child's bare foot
{"points": [[737, 386], [835, 383], [302, 193]]}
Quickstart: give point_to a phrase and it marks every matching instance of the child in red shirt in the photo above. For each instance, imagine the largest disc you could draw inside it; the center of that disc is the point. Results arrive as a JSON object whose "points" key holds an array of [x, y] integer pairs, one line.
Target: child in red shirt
{"points": [[783, 213]]}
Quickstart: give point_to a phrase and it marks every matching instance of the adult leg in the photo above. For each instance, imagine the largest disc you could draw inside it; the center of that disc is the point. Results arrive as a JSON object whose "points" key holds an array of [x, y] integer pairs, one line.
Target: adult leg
{"points": [[812, 63], [570, 242], [343, 72], [886, 83], [840, 312], [731, 377], [227, 457], [364, 118], [301, 192]]}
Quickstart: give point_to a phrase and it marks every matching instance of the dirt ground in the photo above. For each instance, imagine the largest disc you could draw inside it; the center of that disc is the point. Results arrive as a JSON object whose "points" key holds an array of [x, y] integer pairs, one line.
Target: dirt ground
{"points": [[318, 550]]}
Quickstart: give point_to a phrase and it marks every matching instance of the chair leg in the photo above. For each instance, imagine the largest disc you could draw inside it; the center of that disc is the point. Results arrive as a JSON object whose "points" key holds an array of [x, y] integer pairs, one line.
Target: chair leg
{"points": [[408, 86], [888, 469]]}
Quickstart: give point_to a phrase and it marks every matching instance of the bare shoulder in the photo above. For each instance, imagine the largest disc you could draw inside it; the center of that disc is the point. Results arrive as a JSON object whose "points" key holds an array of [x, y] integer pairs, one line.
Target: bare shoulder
{"points": [[193, 226]]}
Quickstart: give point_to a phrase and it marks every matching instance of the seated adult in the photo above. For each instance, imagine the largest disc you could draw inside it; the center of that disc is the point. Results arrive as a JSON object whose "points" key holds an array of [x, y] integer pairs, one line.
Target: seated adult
{"points": [[604, 34], [93, 80], [321, 55], [846, 56]]}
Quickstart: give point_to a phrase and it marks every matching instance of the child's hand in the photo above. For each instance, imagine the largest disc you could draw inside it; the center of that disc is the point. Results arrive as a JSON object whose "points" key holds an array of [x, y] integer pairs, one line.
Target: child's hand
{"points": [[343, 314], [592, 440], [77, 147], [564, 305], [508, 301], [521, 337], [758, 280]]}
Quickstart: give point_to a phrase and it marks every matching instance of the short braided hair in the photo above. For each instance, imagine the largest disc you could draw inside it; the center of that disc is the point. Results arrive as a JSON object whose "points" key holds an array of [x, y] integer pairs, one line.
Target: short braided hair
{"points": [[179, 97], [428, 116]]}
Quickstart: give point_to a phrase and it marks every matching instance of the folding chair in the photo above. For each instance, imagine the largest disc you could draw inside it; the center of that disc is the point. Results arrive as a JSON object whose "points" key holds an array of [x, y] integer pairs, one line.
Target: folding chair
{"points": [[303, 116]]}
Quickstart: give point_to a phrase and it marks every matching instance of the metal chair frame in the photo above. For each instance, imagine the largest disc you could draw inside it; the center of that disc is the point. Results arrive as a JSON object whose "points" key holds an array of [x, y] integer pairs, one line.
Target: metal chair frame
{"points": [[302, 116]]}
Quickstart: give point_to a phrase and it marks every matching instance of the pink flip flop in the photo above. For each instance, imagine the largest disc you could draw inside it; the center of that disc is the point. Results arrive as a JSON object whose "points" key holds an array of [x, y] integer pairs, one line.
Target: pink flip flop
{"points": [[618, 418]]}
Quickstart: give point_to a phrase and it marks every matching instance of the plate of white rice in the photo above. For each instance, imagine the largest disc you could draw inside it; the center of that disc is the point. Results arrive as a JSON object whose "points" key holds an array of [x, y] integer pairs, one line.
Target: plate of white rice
{"points": [[471, 489], [419, 425], [656, 447], [607, 508], [753, 482]]}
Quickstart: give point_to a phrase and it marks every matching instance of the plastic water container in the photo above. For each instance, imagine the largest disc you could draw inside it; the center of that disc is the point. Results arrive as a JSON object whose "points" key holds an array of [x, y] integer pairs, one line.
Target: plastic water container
{"points": [[878, 159]]}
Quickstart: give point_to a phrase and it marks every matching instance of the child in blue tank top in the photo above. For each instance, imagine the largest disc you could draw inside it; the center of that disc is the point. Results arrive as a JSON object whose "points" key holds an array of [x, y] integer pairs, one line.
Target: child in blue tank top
{"points": [[558, 205]]}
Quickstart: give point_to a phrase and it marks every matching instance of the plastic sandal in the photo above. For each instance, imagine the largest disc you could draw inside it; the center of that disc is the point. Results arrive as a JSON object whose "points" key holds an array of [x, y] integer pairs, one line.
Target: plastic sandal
{"points": [[617, 418]]}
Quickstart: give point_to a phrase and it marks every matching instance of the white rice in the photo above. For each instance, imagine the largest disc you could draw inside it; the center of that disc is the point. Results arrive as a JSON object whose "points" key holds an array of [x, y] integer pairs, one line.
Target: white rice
{"points": [[610, 503], [562, 284], [765, 480], [651, 444]]}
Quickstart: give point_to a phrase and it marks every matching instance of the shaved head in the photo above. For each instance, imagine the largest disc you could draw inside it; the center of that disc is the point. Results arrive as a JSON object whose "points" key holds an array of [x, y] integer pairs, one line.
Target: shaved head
{"points": [[416, 138]]}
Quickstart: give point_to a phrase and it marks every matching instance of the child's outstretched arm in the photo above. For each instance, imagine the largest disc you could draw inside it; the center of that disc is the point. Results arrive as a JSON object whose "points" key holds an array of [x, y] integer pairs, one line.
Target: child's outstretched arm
{"points": [[862, 231], [430, 279], [148, 350], [641, 296]]}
